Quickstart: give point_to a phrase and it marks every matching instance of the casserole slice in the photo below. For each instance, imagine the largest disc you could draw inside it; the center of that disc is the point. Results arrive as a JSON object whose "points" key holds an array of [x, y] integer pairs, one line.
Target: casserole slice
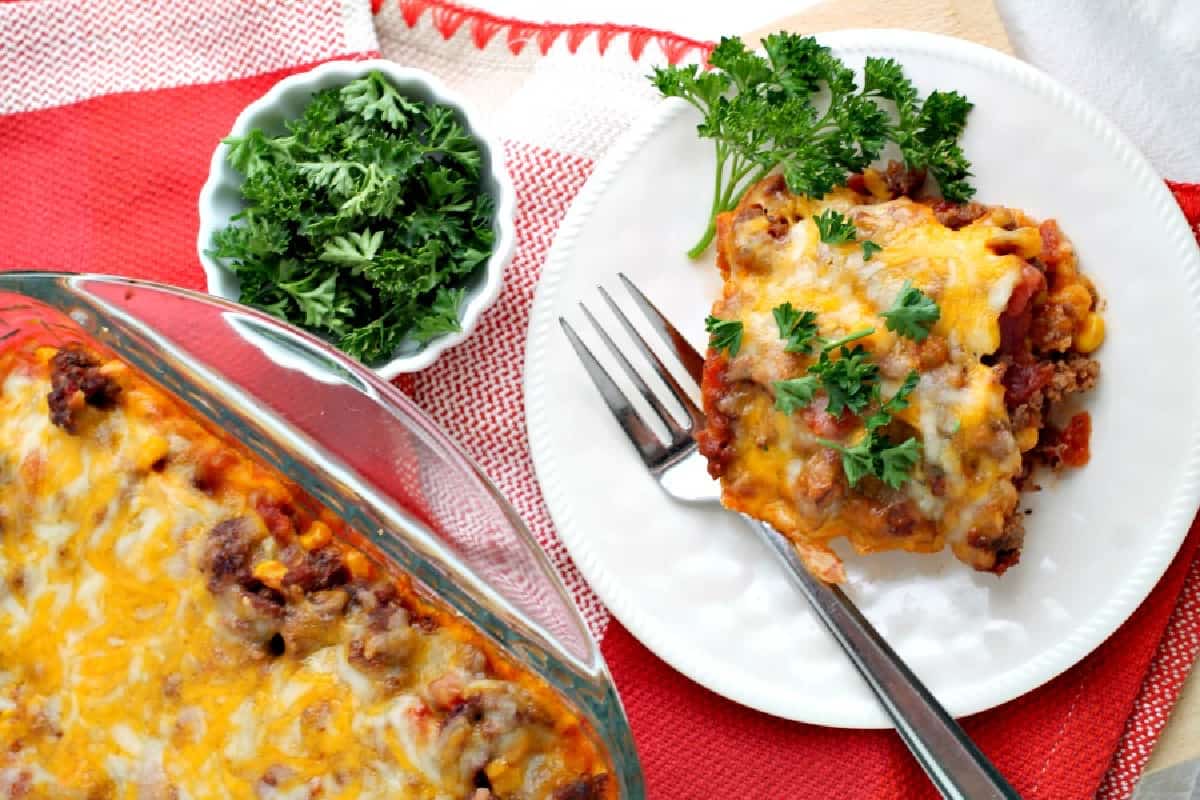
{"points": [[996, 328]]}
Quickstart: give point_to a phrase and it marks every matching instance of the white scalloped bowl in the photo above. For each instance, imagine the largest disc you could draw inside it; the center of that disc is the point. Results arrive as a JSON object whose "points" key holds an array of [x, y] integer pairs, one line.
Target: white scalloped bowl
{"points": [[221, 197]]}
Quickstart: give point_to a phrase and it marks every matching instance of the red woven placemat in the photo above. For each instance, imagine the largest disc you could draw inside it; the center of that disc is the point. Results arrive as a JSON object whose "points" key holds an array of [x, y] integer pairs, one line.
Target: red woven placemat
{"points": [[109, 111]]}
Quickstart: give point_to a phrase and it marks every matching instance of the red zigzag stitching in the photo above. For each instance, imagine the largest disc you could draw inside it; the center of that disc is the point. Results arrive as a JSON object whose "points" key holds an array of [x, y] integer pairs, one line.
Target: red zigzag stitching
{"points": [[448, 18]]}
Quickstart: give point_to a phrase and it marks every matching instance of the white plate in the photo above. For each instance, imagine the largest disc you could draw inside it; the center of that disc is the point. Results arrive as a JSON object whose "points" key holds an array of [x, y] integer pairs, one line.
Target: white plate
{"points": [[696, 588]]}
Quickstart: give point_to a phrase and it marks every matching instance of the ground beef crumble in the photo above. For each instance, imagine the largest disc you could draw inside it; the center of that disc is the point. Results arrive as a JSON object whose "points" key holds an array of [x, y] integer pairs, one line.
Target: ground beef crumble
{"points": [[1063, 377], [1007, 546], [584, 789], [958, 215], [76, 381]]}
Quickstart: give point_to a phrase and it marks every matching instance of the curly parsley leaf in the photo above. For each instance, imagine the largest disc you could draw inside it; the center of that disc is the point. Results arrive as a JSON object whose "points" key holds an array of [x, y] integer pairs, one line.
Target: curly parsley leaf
{"points": [[724, 334], [795, 393], [799, 328], [364, 222], [381, 335], [869, 249], [339, 178], [912, 314], [443, 317], [928, 132], [353, 249], [251, 154], [835, 228], [373, 96], [449, 139], [760, 113], [874, 454], [849, 381], [896, 462], [798, 109], [315, 300], [858, 460]]}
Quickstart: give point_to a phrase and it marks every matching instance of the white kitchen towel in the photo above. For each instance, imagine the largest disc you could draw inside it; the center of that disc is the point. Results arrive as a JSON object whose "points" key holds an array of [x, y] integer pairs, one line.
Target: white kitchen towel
{"points": [[1137, 60]]}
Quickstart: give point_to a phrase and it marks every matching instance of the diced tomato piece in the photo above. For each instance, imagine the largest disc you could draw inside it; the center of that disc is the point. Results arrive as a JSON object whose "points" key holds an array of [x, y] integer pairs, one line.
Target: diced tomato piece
{"points": [[1074, 440], [1051, 242], [1030, 283], [1014, 330], [824, 424], [277, 519], [1017, 317], [211, 466]]}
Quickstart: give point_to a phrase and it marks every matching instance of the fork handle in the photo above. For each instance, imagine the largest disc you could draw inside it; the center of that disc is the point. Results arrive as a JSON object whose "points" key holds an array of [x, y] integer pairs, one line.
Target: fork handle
{"points": [[958, 769]]}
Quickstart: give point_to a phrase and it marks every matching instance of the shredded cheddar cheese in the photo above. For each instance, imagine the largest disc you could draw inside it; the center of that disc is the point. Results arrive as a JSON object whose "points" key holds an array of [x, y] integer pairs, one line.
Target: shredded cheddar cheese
{"points": [[165, 631]]}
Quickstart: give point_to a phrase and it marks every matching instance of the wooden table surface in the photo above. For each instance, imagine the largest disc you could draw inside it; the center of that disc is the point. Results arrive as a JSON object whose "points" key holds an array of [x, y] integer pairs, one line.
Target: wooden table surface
{"points": [[978, 21], [1180, 740]]}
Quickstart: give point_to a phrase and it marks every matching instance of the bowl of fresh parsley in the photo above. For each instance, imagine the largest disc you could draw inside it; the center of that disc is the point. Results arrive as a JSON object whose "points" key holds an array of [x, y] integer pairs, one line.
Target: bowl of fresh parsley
{"points": [[362, 202]]}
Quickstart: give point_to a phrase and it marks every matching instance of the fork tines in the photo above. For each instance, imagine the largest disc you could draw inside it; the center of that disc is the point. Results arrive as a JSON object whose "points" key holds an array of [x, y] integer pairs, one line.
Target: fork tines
{"points": [[654, 452]]}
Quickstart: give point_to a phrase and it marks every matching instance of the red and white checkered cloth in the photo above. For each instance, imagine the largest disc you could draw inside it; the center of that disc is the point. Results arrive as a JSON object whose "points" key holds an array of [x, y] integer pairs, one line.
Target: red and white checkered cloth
{"points": [[109, 111]]}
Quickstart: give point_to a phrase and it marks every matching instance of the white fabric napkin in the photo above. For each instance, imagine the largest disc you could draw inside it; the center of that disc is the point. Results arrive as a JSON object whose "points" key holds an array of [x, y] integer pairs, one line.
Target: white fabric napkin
{"points": [[1138, 61]]}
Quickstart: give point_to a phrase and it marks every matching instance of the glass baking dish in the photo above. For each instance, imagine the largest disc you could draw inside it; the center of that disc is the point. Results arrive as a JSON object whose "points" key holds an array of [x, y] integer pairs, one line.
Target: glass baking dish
{"points": [[359, 447]]}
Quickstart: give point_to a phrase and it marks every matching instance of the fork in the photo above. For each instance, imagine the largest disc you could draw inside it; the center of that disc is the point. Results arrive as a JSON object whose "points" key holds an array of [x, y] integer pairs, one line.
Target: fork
{"points": [[954, 764]]}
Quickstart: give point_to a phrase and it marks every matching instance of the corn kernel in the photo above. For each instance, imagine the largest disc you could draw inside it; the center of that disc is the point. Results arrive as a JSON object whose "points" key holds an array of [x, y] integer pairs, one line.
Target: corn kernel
{"points": [[113, 368], [45, 354], [154, 448], [504, 779], [876, 185], [1091, 335], [1027, 438], [317, 536], [270, 572], [357, 563], [1003, 218]]}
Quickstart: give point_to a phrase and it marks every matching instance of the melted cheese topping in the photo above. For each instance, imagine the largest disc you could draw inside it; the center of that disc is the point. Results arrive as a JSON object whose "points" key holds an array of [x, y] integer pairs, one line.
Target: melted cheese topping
{"points": [[963, 490], [124, 675]]}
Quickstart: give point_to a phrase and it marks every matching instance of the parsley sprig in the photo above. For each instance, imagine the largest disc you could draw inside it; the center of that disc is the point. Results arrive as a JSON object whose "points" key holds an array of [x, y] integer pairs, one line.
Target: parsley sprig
{"points": [[850, 380], [724, 334], [795, 393], [912, 314], [874, 453], [835, 228], [926, 132], [799, 328], [762, 113], [364, 222]]}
